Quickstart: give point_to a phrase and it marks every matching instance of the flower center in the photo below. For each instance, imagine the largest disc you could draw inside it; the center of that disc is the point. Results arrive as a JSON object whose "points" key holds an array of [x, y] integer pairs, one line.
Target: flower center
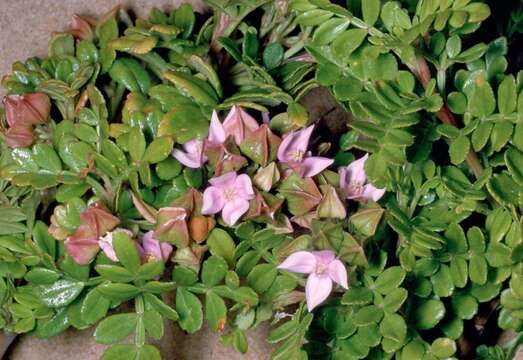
{"points": [[356, 188], [320, 269], [297, 155], [229, 194]]}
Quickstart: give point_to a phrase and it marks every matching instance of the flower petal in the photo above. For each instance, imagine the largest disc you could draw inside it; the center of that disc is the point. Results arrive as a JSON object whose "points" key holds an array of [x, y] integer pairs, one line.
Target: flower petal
{"points": [[189, 159], [356, 172], [238, 123], [243, 187], [300, 262], [317, 290], [213, 200], [233, 210], [154, 248], [370, 192], [294, 142], [324, 256], [338, 273], [106, 244], [315, 164], [224, 181], [216, 130]]}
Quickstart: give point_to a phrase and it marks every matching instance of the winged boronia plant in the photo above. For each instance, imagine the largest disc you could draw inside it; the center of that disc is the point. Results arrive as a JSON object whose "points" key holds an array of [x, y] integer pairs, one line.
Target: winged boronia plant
{"points": [[397, 234]]}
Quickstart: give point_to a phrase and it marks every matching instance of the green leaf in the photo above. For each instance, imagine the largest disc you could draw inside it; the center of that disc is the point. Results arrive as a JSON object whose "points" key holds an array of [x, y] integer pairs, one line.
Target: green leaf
{"points": [[193, 87], [151, 270], [153, 323], [478, 269], [43, 239], [185, 123], [215, 311], [118, 292], [368, 315], [94, 307], [457, 102], [443, 348], [61, 44], [114, 273], [393, 327], [120, 351], [126, 251], [453, 46], [442, 283], [214, 270], [184, 19], [459, 272], [56, 324], [40, 276], [481, 101], [345, 44], [261, 277], [115, 328], [164, 309], [501, 134], [389, 279], [136, 143], [189, 308], [159, 149], [61, 293], [45, 156], [221, 244], [273, 55], [514, 161], [428, 314], [394, 300], [507, 95], [131, 74], [371, 11], [347, 88], [481, 135], [357, 296], [459, 149], [329, 30], [465, 306]]}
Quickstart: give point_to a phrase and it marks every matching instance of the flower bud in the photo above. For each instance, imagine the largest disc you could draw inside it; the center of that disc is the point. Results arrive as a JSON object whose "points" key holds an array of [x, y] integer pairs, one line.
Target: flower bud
{"points": [[330, 205], [199, 227], [80, 28], [171, 226]]}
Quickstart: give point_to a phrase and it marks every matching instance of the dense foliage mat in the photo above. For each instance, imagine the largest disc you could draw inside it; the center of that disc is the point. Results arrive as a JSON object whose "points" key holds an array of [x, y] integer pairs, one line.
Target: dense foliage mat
{"points": [[173, 163]]}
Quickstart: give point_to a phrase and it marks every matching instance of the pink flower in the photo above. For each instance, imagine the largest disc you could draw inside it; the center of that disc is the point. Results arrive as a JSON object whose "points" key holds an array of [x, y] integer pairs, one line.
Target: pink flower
{"points": [[238, 124], [106, 243], [193, 151], [353, 182], [155, 250], [323, 268], [293, 152], [230, 194]]}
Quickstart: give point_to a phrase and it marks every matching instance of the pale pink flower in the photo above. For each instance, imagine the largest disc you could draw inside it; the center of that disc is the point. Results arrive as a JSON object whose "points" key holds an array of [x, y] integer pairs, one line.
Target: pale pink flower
{"points": [[353, 181], [230, 194], [238, 124], [323, 268], [154, 249], [293, 153], [192, 154], [106, 243]]}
